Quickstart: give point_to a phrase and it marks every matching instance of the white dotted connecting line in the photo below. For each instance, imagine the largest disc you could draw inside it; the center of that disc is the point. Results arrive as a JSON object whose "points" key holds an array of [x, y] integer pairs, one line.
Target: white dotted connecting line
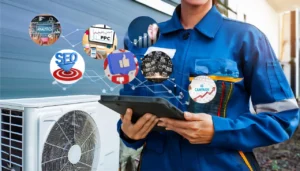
{"points": [[94, 77], [65, 37], [175, 85], [141, 84], [62, 86]]}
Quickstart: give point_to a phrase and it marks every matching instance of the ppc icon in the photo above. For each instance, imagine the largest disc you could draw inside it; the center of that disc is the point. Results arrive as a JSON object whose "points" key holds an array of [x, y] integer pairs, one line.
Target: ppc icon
{"points": [[67, 66], [99, 40]]}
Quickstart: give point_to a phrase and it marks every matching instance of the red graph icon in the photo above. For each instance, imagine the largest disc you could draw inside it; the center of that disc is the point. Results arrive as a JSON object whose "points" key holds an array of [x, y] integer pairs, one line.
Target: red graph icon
{"points": [[205, 94]]}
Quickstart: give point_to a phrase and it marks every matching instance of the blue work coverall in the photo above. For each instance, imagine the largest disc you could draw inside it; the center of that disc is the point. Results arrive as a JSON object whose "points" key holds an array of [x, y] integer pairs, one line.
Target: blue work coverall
{"points": [[239, 58]]}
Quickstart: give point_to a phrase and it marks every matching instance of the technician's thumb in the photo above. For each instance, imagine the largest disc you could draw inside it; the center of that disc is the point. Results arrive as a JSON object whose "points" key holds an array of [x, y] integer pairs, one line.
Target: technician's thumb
{"points": [[192, 117], [128, 115]]}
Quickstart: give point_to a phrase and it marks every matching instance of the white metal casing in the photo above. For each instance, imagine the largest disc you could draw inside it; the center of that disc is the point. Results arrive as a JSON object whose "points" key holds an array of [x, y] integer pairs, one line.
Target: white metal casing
{"points": [[40, 114]]}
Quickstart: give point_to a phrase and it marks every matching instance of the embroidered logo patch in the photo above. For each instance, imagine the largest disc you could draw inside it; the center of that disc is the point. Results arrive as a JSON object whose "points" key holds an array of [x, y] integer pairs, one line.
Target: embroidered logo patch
{"points": [[202, 89]]}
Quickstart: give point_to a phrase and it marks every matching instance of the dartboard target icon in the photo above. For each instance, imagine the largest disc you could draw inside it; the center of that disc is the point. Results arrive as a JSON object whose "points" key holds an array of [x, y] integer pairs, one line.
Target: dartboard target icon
{"points": [[67, 66]]}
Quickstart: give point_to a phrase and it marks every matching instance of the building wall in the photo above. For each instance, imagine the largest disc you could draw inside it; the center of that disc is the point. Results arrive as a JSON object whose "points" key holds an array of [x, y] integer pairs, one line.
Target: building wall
{"points": [[262, 15], [298, 48], [24, 66]]}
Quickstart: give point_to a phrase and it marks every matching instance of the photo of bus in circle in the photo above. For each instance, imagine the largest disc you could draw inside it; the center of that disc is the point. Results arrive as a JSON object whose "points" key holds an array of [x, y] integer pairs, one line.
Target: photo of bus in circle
{"points": [[44, 29]]}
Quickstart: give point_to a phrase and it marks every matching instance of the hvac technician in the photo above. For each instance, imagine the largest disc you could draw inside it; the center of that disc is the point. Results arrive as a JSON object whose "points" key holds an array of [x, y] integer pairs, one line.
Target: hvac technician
{"points": [[224, 136]]}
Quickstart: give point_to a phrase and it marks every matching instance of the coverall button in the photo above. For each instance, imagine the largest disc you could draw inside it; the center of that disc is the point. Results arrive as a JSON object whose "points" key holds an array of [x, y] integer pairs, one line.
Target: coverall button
{"points": [[186, 36]]}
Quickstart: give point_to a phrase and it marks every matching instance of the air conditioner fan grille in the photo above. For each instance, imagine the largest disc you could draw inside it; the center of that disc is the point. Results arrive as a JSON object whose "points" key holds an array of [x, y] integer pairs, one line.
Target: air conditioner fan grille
{"points": [[75, 128]]}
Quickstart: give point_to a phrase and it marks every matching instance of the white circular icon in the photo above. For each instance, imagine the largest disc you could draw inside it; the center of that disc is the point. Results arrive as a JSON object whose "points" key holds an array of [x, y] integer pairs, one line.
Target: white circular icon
{"points": [[67, 66], [99, 41], [202, 89]]}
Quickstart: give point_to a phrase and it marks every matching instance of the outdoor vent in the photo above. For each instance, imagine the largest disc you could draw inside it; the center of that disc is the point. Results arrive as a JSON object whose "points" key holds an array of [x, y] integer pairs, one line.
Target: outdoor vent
{"points": [[11, 140], [62, 133]]}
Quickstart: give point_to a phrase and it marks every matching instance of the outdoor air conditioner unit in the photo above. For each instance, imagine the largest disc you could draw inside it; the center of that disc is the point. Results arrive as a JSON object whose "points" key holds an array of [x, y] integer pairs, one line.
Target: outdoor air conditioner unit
{"points": [[71, 133]]}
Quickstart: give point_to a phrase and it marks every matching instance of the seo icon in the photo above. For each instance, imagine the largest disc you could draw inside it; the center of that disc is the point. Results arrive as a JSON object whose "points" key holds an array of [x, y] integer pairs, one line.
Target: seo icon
{"points": [[67, 66]]}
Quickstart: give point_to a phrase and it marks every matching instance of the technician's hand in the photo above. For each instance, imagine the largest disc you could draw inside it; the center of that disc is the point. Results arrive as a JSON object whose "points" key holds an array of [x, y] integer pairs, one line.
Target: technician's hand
{"points": [[141, 128], [197, 129]]}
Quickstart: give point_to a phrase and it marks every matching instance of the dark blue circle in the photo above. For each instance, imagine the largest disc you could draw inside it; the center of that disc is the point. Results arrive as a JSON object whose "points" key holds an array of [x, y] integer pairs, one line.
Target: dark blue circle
{"points": [[139, 26]]}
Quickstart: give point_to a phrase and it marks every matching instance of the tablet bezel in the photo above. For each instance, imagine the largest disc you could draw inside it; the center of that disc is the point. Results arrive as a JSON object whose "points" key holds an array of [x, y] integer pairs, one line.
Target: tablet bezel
{"points": [[141, 105]]}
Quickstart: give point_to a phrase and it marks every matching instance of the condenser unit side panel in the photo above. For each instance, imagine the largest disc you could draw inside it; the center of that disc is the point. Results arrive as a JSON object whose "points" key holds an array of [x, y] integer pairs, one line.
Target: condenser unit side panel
{"points": [[110, 141], [30, 142]]}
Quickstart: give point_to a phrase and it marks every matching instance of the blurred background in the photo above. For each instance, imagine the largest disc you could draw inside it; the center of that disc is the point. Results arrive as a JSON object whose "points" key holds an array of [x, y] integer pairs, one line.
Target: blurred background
{"points": [[24, 65]]}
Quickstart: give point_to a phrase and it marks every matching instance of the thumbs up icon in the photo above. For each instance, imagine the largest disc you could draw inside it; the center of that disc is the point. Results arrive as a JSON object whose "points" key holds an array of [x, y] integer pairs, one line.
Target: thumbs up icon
{"points": [[124, 62]]}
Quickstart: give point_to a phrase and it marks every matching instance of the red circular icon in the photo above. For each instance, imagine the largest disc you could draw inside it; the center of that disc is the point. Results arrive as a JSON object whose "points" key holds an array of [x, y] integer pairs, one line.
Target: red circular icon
{"points": [[121, 66], [72, 75]]}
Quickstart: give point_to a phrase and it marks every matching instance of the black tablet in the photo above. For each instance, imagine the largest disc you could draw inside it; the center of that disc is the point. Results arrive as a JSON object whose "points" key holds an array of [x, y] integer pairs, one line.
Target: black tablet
{"points": [[142, 105]]}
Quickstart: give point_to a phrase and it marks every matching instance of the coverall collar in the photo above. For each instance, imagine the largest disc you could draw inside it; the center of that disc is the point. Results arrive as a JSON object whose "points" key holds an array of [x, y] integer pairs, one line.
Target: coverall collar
{"points": [[208, 26]]}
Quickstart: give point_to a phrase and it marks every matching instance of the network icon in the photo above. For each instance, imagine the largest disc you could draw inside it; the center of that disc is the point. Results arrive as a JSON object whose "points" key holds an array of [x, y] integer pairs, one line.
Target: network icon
{"points": [[108, 87]]}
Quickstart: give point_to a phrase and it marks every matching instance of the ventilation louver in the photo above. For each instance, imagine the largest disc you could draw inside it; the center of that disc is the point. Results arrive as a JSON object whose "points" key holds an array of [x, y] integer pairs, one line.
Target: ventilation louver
{"points": [[11, 140]]}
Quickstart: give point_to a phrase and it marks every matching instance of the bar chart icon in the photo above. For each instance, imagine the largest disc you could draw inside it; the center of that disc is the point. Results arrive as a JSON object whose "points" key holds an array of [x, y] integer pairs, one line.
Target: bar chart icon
{"points": [[143, 32]]}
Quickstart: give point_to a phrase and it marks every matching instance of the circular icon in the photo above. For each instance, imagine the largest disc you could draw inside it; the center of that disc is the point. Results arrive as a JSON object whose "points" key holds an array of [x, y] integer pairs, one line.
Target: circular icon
{"points": [[143, 32], [121, 66], [44, 29], [67, 66], [157, 66], [202, 89], [99, 40]]}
